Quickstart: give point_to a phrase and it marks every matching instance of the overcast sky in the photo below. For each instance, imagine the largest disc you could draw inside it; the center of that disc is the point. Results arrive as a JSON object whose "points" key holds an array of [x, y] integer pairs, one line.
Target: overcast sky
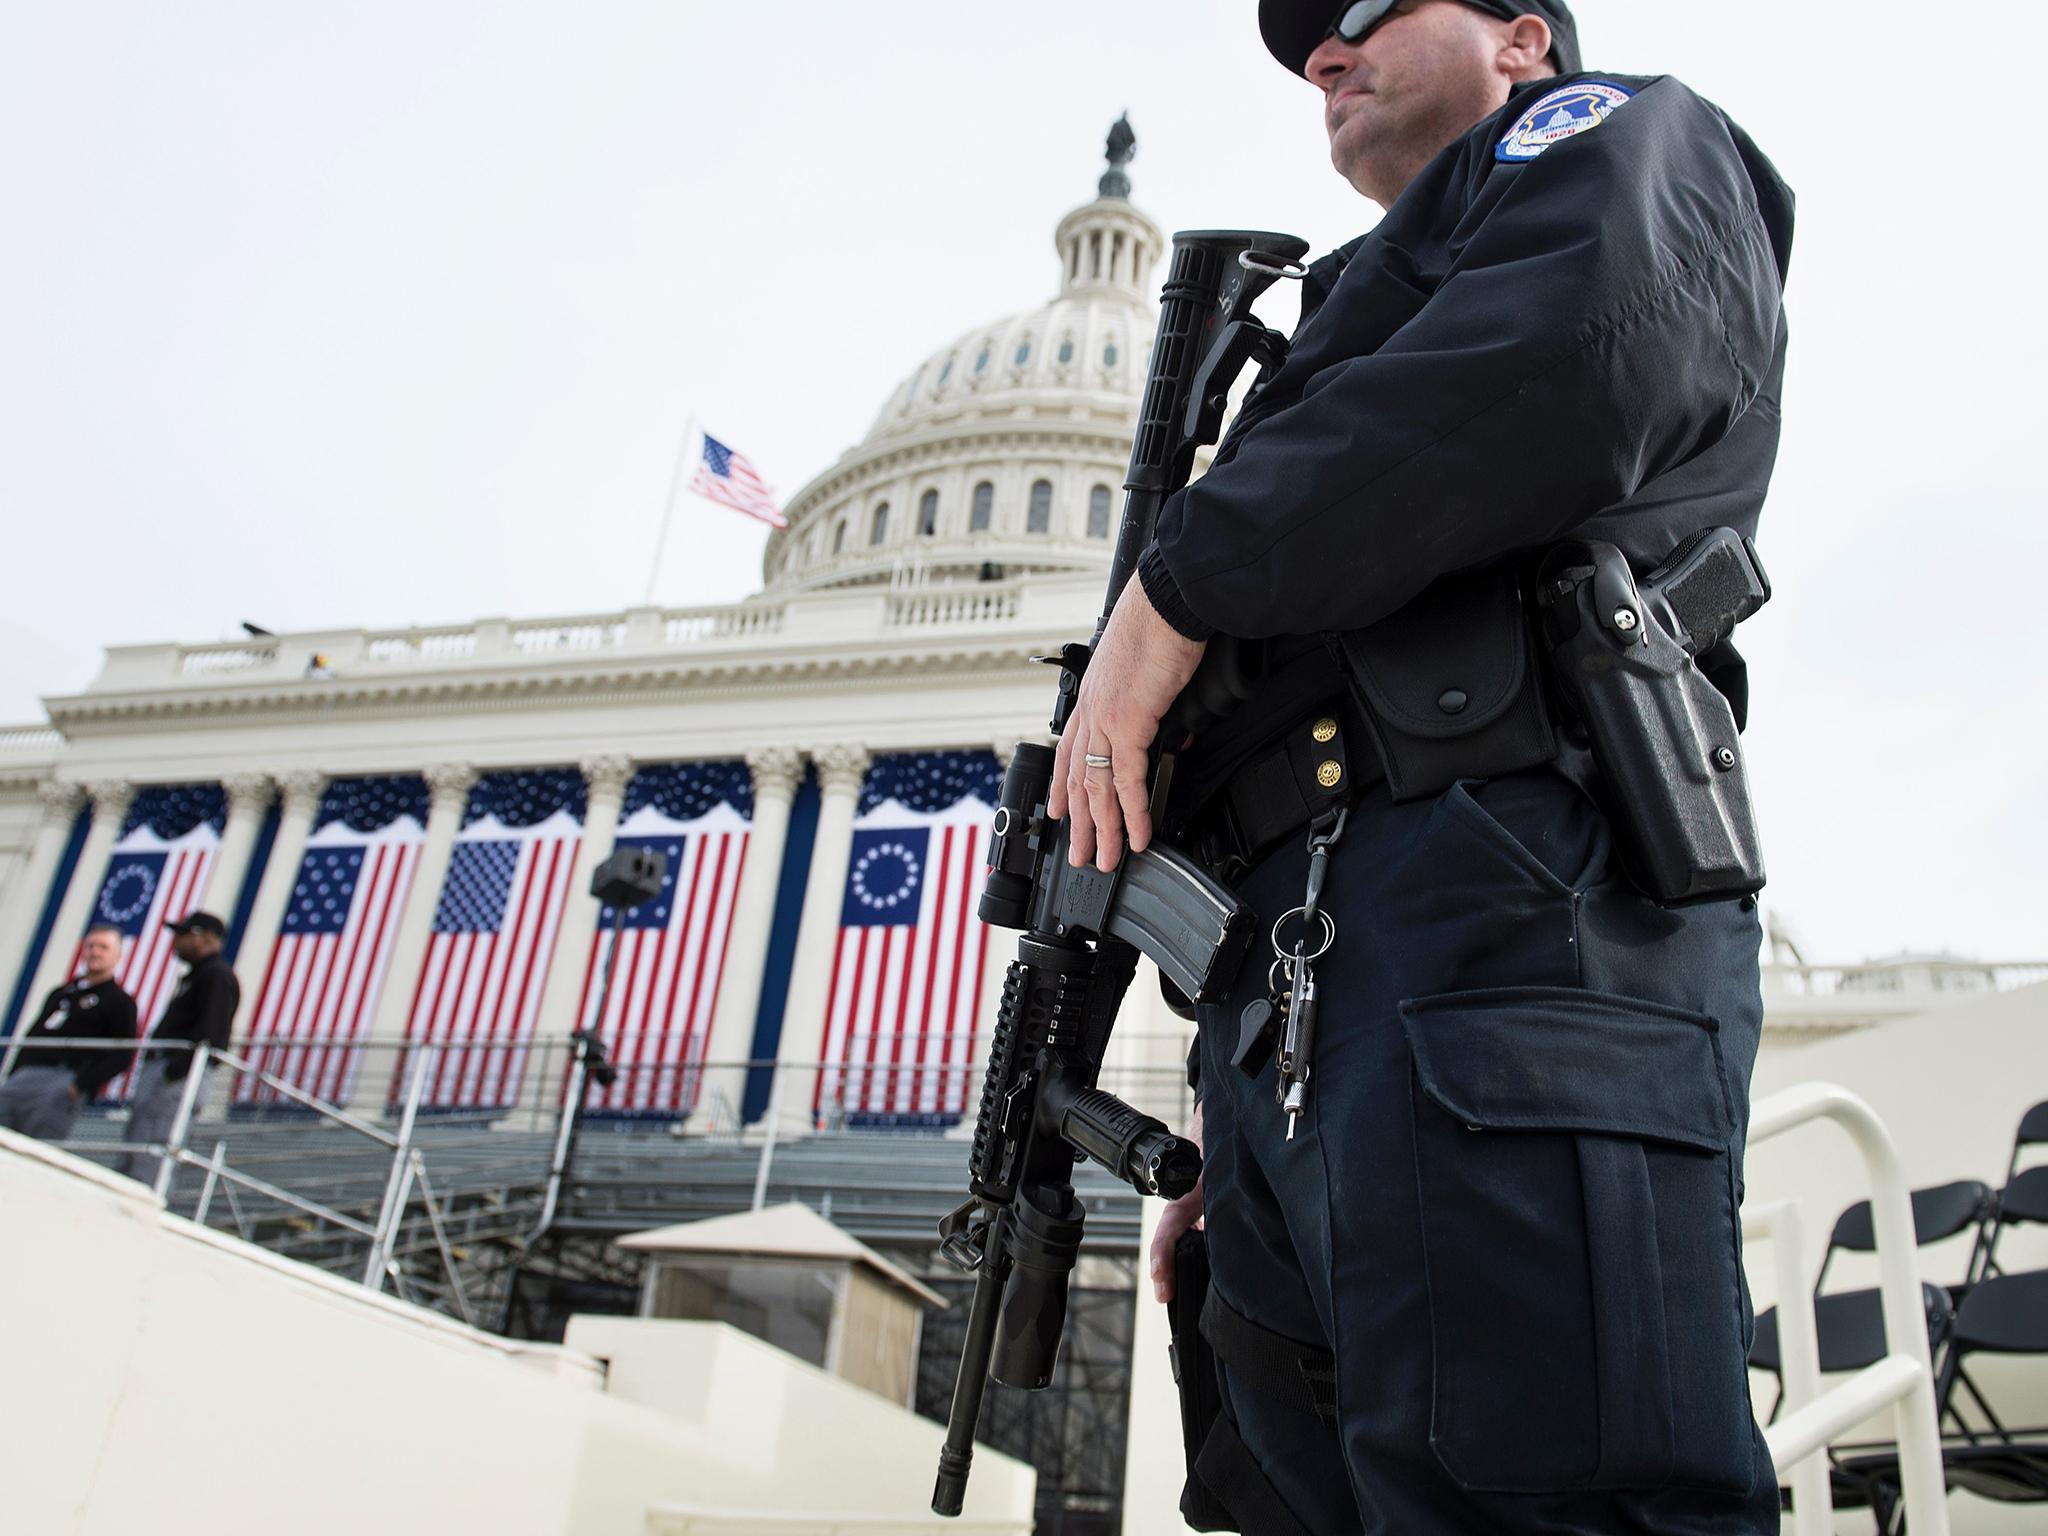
{"points": [[370, 314]]}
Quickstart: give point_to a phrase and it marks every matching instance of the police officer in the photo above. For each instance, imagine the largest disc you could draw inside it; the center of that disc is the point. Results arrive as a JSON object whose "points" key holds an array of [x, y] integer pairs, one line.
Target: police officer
{"points": [[48, 1087], [201, 1012], [1489, 1281]]}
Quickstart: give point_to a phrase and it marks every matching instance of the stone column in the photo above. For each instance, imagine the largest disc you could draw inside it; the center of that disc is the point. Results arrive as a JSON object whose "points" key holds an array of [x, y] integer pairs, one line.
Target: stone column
{"points": [[841, 771], [605, 780], [31, 886], [776, 771], [448, 787], [302, 791], [110, 801], [249, 796]]}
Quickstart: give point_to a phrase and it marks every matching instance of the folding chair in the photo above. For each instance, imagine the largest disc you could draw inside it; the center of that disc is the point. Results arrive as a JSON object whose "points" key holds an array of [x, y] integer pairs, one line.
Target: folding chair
{"points": [[1849, 1325], [2003, 1315]]}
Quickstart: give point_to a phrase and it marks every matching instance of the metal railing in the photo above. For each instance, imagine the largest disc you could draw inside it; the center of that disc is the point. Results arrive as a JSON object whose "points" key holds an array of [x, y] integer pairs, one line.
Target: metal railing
{"points": [[1902, 1381], [308, 1178], [433, 1168]]}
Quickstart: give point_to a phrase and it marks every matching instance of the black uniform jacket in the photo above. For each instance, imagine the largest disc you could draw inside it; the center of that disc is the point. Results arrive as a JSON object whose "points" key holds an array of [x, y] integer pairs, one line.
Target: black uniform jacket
{"points": [[201, 1010], [76, 1011], [1586, 341]]}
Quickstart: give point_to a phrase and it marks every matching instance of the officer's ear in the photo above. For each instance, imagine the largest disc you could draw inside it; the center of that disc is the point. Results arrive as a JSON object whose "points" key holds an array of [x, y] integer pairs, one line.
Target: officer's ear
{"points": [[1525, 48]]}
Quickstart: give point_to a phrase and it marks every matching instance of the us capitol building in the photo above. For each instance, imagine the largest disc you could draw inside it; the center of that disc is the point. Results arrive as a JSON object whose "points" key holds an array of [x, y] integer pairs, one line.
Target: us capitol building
{"points": [[883, 669]]}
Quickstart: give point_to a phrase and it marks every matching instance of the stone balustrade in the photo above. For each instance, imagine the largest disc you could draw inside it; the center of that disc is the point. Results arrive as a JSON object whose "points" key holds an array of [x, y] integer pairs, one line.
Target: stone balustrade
{"points": [[835, 617]]}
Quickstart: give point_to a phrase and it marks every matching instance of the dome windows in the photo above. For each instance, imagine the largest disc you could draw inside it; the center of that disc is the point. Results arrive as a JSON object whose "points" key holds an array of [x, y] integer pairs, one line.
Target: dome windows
{"points": [[981, 362], [1109, 353], [1038, 519], [1098, 512], [839, 537], [928, 514], [1023, 352], [982, 512], [945, 373], [1066, 349], [878, 530]]}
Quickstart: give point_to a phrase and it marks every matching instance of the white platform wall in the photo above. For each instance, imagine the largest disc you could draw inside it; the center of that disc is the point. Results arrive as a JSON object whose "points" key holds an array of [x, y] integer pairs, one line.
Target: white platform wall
{"points": [[165, 1379]]}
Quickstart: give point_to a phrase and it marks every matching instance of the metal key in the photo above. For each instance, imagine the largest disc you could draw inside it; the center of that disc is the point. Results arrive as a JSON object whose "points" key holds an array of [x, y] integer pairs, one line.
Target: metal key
{"points": [[1297, 1046]]}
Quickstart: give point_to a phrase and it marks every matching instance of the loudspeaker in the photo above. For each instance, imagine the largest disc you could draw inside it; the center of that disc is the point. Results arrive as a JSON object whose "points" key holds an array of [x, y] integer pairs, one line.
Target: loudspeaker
{"points": [[629, 877]]}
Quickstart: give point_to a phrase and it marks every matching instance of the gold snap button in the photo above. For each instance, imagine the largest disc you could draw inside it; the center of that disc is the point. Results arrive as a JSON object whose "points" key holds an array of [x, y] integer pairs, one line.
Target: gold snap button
{"points": [[1328, 774], [1325, 729]]}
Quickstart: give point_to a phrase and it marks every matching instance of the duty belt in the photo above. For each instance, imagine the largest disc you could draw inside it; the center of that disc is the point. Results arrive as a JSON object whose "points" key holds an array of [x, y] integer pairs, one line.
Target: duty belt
{"points": [[1308, 774]]}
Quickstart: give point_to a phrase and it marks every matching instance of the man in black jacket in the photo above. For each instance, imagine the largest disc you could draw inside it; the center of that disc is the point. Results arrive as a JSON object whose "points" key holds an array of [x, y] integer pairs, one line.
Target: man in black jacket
{"points": [[1490, 1282], [49, 1085], [201, 1012]]}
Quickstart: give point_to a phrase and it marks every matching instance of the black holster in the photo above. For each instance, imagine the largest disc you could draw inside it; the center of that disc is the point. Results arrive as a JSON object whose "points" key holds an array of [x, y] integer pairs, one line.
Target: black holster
{"points": [[1665, 738]]}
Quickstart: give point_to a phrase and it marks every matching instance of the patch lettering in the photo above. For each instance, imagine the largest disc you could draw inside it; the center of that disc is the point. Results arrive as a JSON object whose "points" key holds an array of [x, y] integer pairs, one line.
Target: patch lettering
{"points": [[1558, 115]]}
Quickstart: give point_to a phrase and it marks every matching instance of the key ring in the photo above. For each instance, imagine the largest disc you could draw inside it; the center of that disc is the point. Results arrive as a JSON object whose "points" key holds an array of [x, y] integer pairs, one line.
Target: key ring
{"points": [[1329, 932]]}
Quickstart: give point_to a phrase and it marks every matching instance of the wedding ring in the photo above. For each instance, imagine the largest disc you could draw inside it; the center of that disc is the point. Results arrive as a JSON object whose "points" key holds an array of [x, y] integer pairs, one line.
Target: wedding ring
{"points": [[1095, 760]]}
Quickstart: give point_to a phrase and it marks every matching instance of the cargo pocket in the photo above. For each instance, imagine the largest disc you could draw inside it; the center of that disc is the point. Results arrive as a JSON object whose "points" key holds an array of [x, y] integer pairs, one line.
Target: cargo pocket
{"points": [[1573, 1158]]}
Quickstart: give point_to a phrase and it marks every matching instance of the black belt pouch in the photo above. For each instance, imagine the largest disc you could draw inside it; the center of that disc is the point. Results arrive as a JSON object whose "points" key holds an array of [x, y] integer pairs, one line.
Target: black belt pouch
{"points": [[1451, 687], [1194, 1372]]}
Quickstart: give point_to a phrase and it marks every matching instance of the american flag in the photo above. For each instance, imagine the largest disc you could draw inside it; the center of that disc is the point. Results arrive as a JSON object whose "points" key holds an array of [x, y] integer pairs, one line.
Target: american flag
{"points": [[725, 476], [327, 969], [493, 935], [657, 1019], [907, 971], [158, 868]]}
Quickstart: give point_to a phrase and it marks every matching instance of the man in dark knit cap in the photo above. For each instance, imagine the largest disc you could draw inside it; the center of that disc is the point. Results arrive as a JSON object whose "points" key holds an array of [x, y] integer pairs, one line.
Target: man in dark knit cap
{"points": [[201, 1012], [1483, 1276]]}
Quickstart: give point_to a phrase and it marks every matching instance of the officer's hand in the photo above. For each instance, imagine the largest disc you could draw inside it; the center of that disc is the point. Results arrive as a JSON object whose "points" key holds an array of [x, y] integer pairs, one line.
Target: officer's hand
{"points": [[1138, 670], [1175, 1220]]}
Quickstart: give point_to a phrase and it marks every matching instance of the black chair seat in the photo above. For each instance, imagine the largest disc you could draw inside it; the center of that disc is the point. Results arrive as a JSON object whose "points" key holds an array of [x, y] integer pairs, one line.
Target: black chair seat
{"points": [[2006, 1315], [1849, 1328], [2009, 1472], [2012, 1473], [2026, 1197]]}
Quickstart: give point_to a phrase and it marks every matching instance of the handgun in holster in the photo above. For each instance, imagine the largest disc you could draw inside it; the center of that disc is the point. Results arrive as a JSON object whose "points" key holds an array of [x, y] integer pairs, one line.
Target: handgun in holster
{"points": [[1625, 656]]}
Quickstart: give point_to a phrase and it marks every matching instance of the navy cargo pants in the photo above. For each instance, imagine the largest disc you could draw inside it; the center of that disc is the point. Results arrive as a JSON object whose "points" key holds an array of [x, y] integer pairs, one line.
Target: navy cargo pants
{"points": [[1510, 1214]]}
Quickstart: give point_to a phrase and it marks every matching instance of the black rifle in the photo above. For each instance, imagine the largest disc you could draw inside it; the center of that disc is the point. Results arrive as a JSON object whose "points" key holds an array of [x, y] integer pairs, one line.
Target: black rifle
{"points": [[1020, 1229]]}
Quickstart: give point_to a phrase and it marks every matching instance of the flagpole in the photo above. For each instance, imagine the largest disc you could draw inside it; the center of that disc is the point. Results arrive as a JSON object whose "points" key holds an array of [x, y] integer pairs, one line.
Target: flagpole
{"points": [[675, 484]]}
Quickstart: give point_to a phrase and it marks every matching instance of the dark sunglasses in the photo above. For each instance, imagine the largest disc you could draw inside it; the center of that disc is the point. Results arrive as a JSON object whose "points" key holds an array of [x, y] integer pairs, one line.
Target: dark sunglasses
{"points": [[1355, 22]]}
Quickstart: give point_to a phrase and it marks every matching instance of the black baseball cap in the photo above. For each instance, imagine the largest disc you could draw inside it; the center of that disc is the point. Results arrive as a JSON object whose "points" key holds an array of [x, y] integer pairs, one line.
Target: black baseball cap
{"points": [[199, 922], [1294, 28]]}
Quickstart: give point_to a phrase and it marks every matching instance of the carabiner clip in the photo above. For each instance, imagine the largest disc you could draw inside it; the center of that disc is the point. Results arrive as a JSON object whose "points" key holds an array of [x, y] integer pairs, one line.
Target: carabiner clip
{"points": [[1319, 845]]}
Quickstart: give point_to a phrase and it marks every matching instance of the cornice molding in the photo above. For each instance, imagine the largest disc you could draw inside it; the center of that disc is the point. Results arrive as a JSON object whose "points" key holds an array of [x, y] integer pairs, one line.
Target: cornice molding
{"points": [[578, 681]]}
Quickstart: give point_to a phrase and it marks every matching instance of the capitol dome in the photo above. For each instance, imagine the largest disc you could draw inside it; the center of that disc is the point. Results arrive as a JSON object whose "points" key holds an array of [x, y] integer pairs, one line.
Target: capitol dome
{"points": [[1007, 447]]}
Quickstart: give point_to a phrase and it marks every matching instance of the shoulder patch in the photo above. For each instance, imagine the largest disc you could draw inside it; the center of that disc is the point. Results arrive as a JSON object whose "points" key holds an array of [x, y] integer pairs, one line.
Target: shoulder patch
{"points": [[1559, 115]]}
